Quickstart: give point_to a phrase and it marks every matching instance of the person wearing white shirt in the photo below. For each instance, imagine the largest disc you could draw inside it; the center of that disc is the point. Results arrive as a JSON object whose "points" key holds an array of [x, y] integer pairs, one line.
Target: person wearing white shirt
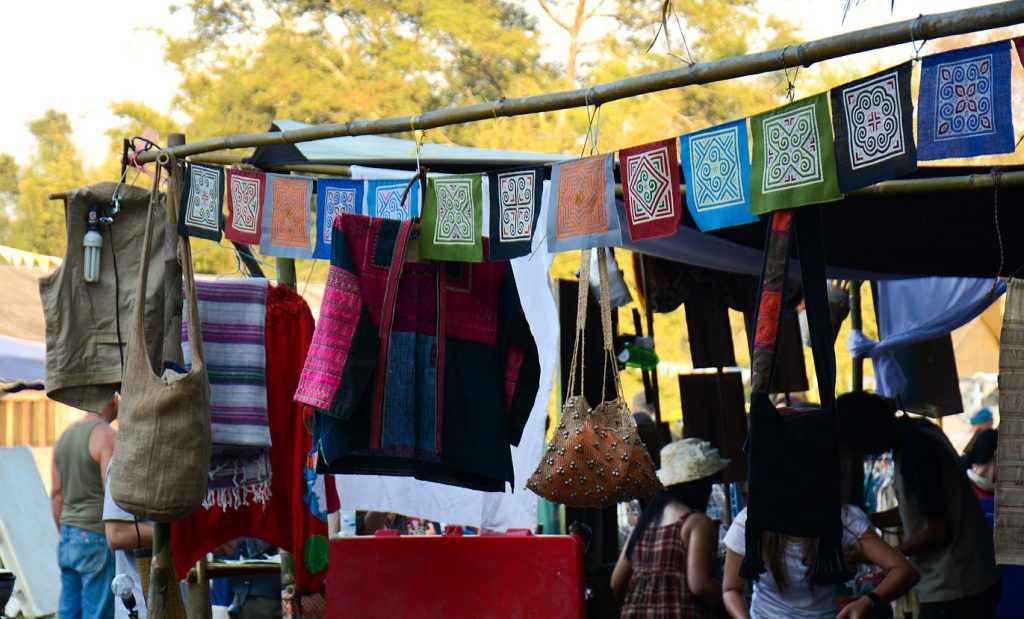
{"points": [[784, 591], [125, 533]]}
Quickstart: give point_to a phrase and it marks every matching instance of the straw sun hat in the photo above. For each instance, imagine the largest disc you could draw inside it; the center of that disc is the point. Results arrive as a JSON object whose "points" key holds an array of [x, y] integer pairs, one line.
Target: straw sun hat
{"points": [[689, 460]]}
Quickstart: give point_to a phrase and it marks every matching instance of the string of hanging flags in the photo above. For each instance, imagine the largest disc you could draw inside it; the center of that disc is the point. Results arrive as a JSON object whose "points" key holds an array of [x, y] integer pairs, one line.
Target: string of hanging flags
{"points": [[809, 151]]}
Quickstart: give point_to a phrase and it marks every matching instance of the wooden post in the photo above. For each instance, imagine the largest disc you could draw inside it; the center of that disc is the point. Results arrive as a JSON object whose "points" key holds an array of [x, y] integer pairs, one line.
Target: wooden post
{"points": [[199, 592], [162, 569]]}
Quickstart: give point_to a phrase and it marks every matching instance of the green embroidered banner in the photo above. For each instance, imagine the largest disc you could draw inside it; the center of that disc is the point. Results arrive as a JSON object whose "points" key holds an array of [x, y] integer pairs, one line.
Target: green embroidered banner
{"points": [[451, 221], [794, 159]]}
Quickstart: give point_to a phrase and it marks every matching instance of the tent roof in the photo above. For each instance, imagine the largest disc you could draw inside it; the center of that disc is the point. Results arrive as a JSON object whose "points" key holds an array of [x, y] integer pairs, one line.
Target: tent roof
{"points": [[381, 151], [22, 364], [948, 233]]}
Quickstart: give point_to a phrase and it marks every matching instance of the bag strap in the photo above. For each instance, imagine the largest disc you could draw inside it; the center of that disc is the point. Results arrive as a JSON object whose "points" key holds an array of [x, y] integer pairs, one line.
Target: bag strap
{"points": [[195, 333], [811, 246], [771, 298], [578, 347], [606, 327], [137, 341], [387, 321]]}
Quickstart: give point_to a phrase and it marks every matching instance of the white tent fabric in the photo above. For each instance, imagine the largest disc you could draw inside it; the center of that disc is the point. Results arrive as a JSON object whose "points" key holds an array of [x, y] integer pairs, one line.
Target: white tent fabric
{"points": [[381, 150], [489, 511], [22, 363]]}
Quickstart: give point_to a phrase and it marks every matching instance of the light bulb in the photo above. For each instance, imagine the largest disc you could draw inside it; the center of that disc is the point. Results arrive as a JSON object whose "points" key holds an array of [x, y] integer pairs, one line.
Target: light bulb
{"points": [[122, 587], [92, 244]]}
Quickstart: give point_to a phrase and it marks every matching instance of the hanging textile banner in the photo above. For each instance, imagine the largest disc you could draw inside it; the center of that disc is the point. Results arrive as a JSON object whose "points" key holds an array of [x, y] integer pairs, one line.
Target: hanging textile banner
{"points": [[965, 104], [582, 212], [650, 189], [246, 191], [334, 196], [716, 167], [452, 218], [794, 161], [515, 204], [200, 214], [286, 216], [873, 122], [384, 199]]}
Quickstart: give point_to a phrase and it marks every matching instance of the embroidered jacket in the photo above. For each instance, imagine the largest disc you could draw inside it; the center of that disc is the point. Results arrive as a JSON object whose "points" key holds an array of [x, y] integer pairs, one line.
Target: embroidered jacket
{"points": [[417, 369]]}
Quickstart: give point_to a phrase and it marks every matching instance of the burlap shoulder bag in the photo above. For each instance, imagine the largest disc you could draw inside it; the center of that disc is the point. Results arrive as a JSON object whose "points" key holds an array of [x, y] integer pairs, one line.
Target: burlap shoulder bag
{"points": [[162, 455], [596, 457]]}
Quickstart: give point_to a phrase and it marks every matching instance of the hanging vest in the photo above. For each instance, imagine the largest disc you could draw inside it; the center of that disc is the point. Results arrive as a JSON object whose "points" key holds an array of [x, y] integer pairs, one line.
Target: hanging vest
{"points": [[83, 363]]}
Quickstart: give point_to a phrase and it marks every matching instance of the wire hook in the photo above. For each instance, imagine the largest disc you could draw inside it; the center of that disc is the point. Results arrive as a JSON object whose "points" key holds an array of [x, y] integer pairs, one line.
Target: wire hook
{"points": [[790, 81], [915, 34]]}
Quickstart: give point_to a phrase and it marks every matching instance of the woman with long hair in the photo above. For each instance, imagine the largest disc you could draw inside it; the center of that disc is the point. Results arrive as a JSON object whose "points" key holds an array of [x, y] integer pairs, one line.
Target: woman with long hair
{"points": [[665, 569], [784, 591]]}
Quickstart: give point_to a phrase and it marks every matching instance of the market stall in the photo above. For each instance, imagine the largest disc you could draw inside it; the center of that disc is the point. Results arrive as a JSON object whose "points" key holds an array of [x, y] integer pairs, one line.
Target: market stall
{"points": [[423, 386]]}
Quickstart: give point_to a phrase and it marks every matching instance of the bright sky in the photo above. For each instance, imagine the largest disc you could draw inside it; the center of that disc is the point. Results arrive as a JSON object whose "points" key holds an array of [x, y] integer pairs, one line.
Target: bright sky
{"points": [[78, 57]]}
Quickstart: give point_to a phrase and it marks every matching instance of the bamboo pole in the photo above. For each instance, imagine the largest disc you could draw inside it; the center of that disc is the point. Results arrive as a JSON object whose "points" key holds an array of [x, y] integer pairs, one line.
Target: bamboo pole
{"points": [[807, 53]]}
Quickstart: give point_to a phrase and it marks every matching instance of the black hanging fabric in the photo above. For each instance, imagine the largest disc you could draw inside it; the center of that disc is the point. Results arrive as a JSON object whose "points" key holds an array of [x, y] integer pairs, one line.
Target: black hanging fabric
{"points": [[793, 461]]}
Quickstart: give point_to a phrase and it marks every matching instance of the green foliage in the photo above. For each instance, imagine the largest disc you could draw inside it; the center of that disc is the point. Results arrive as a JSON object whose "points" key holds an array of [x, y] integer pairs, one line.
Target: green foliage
{"points": [[37, 223]]}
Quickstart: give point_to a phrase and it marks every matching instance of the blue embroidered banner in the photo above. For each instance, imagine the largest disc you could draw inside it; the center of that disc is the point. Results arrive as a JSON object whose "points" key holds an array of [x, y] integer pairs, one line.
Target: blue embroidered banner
{"points": [[873, 123], [334, 196], [716, 169], [964, 103], [384, 199]]}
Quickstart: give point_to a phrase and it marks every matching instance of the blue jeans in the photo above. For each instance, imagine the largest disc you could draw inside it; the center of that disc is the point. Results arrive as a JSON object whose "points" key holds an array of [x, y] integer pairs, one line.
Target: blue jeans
{"points": [[86, 569]]}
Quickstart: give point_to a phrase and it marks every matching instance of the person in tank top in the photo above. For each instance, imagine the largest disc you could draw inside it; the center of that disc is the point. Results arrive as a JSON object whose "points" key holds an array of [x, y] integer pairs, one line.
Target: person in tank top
{"points": [[86, 562]]}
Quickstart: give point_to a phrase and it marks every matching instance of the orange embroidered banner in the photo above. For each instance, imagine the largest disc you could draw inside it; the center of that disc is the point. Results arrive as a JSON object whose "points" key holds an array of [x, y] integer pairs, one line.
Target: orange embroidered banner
{"points": [[286, 217], [581, 210]]}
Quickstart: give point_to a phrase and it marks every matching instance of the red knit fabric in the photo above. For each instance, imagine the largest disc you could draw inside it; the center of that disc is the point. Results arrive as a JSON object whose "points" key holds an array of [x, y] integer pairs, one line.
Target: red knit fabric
{"points": [[284, 520]]}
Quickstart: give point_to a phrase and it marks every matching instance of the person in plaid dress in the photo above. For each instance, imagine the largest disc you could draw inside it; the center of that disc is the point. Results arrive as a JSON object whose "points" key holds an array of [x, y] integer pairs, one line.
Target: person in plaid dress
{"points": [[665, 569]]}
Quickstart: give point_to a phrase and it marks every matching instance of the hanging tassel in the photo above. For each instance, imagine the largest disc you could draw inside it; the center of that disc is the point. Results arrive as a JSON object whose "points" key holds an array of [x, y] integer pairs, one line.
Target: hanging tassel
{"points": [[753, 561], [829, 567]]}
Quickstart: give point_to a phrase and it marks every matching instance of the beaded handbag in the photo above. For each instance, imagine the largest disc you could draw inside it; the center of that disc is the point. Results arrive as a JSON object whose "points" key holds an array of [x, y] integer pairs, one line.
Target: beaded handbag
{"points": [[596, 457]]}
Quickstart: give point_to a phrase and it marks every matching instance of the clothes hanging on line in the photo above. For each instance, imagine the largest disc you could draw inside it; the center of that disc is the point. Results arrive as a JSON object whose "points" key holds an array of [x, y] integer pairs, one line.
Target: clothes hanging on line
{"points": [[916, 310], [232, 314], [295, 513], [487, 511], [83, 358], [421, 370]]}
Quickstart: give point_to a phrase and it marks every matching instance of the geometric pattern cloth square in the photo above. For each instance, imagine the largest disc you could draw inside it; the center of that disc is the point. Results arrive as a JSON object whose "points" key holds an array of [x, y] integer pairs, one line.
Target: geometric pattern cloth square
{"points": [[581, 209], [964, 103], [245, 191], [515, 205], [716, 168], [384, 199], [201, 198], [286, 217], [452, 218], [794, 160], [650, 189], [334, 196], [874, 134]]}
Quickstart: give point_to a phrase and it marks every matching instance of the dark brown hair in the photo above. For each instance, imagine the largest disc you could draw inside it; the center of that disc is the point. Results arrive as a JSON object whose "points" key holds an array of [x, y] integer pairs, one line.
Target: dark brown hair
{"points": [[774, 545]]}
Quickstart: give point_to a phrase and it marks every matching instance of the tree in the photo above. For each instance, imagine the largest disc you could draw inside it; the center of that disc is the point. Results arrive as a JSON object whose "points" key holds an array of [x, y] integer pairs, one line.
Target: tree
{"points": [[320, 61], [37, 223], [8, 193]]}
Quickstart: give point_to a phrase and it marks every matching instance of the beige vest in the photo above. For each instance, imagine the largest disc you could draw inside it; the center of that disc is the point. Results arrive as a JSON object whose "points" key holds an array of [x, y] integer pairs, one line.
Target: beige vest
{"points": [[83, 364], [967, 565]]}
